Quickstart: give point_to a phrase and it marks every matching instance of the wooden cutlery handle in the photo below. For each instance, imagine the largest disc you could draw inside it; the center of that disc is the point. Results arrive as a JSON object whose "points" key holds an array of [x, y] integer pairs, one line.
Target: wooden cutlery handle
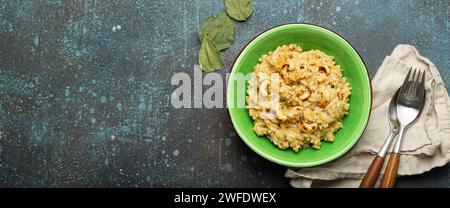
{"points": [[390, 174], [372, 173]]}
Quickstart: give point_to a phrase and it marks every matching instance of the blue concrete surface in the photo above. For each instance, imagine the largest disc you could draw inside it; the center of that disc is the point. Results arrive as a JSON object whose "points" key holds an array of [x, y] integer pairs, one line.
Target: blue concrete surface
{"points": [[86, 104]]}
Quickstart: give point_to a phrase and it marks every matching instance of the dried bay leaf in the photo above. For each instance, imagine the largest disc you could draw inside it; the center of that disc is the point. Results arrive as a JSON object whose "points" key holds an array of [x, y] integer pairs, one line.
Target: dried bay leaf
{"points": [[239, 10], [209, 55], [220, 29]]}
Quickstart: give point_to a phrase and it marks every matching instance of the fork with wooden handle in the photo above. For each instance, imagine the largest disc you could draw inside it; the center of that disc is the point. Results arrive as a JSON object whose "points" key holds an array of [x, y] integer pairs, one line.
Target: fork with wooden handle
{"points": [[410, 102]]}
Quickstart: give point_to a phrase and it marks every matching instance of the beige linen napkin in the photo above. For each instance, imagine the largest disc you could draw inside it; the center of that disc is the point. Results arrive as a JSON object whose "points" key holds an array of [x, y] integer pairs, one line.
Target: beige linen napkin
{"points": [[425, 145]]}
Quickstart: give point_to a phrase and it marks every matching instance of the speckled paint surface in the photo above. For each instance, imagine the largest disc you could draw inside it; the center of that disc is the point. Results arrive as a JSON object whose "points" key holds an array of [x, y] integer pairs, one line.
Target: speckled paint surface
{"points": [[85, 88]]}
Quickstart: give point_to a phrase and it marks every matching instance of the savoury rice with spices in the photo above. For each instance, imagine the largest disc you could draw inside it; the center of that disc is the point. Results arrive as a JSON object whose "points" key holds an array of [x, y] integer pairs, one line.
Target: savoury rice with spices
{"points": [[305, 105]]}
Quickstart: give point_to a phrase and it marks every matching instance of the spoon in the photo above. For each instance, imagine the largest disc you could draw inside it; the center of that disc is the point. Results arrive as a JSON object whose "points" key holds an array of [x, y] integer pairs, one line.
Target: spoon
{"points": [[375, 168]]}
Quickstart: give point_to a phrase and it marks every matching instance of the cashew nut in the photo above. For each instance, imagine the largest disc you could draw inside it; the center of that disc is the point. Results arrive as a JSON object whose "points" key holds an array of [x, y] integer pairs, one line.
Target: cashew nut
{"points": [[308, 127], [323, 102], [324, 69], [284, 73], [305, 95], [340, 96]]}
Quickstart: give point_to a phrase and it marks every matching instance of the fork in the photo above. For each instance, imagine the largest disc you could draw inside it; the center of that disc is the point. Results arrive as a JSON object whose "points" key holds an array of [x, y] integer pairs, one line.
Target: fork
{"points": [[410, 102]]}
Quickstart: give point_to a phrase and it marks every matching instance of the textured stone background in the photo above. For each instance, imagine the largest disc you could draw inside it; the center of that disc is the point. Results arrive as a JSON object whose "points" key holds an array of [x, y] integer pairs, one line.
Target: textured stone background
{"points": [[82, 105]]}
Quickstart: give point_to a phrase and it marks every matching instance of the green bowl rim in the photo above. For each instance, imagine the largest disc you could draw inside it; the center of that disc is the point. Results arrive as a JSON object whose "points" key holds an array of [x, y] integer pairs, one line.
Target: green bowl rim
{"points": [[299, 164]]}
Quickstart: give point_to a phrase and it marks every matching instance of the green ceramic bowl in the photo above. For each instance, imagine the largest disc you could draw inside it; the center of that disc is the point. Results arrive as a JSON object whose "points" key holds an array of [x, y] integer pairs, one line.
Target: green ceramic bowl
{"points": [[308, 37]]}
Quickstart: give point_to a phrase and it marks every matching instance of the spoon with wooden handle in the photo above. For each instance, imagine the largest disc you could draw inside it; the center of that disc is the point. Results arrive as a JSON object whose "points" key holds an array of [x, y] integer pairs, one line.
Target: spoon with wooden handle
{"points": [[375, 168]]}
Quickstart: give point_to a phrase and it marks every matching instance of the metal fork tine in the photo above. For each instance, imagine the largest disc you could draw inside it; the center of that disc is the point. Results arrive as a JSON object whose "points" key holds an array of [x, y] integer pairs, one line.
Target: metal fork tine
{"points": [[408, 75], [405, 86], [411, 87], [419, 85], [414, 74], [423, 77], [419, 75], [416, 89], [422, 83], [416, 77]]}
